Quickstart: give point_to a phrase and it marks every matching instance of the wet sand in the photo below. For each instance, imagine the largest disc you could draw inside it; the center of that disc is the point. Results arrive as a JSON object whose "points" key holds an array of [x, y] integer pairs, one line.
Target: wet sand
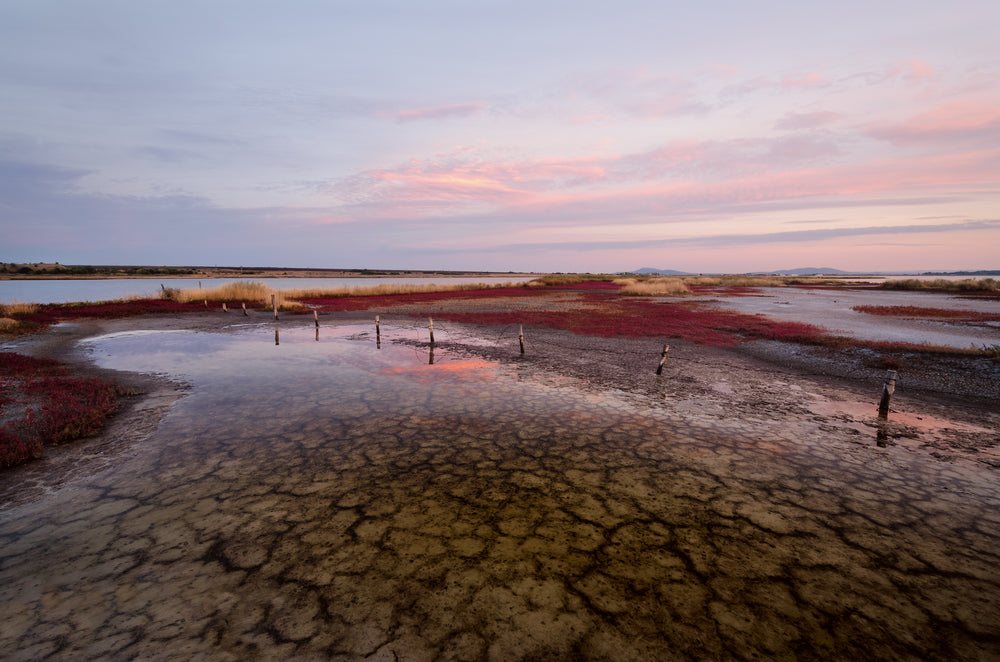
{"points": [[336, 500]]}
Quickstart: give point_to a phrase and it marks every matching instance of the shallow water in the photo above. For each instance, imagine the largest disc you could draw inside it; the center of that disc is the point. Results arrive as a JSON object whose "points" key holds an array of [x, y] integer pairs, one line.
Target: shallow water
{"points": [[335, 498], [833, 311]]}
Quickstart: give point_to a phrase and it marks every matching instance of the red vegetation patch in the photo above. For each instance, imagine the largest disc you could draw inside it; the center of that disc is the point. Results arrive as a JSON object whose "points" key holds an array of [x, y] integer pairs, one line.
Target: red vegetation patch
{"points": [[385, 300], [644, 319], [41, 405], [53, 313], [929, 313]]}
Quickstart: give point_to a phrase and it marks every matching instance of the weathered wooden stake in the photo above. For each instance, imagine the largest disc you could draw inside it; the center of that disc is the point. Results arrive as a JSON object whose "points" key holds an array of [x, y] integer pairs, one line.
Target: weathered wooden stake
{"points": [[882, 434], [316, 317], [317, 333], [274, 305], [224, 309], [663, 359], [888, 388], [244, 309], [432, 330], [206, 303], [520, 337], [430, 361], [275, 335]]}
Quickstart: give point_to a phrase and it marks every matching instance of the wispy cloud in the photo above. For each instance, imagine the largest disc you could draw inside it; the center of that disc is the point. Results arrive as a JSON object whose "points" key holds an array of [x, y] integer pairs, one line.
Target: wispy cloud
{"points": [[747, 239], [967, 122], [440, 112]]}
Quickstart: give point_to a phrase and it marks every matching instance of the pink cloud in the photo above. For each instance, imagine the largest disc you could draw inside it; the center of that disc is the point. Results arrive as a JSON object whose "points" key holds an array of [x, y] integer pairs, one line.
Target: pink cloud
{"points": [[722, 178], [440, 112], [960, 121]]}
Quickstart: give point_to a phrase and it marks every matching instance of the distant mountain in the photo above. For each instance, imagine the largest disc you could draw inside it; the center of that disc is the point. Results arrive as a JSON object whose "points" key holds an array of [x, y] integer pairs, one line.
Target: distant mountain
{"points": [[663, 272]]}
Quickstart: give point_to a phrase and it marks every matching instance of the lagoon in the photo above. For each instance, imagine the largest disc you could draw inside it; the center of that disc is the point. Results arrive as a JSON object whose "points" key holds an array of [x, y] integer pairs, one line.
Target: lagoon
{"points": [[72, 290]]}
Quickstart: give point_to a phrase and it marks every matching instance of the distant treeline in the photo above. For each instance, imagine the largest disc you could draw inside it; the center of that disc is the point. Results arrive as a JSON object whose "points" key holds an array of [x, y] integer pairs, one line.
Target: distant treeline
{"points": [[56, 269]]}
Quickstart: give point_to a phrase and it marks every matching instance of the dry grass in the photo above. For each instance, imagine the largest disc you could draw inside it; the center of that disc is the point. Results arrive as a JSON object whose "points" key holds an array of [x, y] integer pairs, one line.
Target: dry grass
{"points": [[8, 325], [18, 308], [744, 281], [568, 279], [250, 292], [653, 287], [943, 285], [388, 289], [256, 293]]}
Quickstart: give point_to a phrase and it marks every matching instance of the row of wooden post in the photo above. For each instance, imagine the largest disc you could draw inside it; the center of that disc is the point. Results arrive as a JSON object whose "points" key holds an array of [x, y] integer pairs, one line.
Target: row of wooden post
{"points": [[430, 326], [888, 386]]}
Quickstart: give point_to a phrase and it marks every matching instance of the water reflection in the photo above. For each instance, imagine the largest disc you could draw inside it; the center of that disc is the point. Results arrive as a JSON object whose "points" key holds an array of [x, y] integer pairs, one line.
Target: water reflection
{"points": [[334, 500]]}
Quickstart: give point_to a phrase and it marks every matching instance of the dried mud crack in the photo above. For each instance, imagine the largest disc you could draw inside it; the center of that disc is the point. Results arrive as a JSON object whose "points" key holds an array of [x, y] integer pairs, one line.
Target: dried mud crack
{"points": [[327, 499]]}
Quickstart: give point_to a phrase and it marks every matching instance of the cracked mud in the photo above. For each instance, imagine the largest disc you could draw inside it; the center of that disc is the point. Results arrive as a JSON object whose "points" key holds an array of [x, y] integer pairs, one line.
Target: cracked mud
{"points": [[330, 499]]}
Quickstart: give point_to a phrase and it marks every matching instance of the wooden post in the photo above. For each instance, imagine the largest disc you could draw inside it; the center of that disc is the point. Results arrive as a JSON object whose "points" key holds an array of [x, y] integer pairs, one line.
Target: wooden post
{"points": [[275, 335], [274, 305], [430, 361], [432, 330], [224, 309], [317, 333], [888, 388], [882, 434], [520, 337], [663, 359], [206, 303], [316, 317], [244, 308]]}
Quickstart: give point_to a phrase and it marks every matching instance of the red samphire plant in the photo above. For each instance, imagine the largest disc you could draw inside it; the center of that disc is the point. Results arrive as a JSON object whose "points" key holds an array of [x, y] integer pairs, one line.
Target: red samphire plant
{"points": [[41, 405]]}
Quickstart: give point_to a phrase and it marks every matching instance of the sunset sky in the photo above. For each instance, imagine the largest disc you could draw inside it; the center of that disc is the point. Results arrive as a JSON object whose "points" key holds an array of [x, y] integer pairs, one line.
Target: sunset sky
{"points": [[542, 136]]}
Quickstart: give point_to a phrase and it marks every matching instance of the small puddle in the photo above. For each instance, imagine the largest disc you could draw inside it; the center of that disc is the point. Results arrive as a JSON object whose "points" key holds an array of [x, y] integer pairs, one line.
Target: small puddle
{"points": [[333, 495]]}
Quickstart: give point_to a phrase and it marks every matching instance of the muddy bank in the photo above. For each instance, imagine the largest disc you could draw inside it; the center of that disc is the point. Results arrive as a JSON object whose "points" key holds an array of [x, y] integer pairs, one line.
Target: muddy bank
{"points": [[339, 495]]}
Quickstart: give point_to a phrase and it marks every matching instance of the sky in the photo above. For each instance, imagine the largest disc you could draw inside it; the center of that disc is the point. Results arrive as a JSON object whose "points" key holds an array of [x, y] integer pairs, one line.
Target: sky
{"points": [[502, 136]]}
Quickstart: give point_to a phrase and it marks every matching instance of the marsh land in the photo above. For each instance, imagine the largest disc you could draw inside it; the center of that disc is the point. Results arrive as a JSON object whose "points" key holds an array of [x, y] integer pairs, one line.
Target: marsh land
{"points": [[293, 489]]}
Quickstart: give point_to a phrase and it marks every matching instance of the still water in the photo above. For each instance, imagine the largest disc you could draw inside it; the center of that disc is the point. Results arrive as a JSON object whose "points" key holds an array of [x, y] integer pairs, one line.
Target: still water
{"points": [[65, 291], [329, 495]]}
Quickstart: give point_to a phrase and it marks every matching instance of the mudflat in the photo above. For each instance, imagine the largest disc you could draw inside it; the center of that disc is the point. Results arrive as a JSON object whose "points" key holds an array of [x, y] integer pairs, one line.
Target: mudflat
{"points": [[291, 492]]}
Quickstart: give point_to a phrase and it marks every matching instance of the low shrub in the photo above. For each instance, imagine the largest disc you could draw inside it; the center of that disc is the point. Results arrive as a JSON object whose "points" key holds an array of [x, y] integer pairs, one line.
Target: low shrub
{"points": [[42, 405]]}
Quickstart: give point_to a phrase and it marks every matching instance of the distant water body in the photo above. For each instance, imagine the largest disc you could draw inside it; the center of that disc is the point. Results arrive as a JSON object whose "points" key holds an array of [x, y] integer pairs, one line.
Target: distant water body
{"points": [[65, 291]]}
